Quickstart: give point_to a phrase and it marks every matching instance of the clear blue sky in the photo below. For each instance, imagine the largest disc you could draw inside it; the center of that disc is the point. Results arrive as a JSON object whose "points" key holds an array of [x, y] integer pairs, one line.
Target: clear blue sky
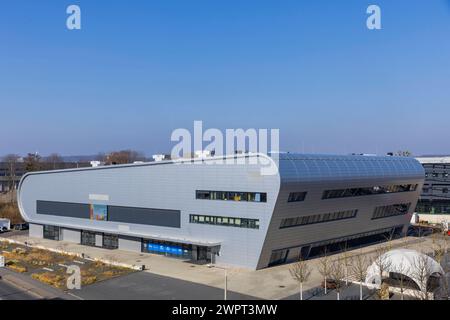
{"points": [[139, 69]]}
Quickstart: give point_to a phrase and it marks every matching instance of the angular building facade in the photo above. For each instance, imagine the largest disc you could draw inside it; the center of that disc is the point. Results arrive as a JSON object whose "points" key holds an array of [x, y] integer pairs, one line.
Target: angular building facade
{"points": [[434, 201], [227, 213]]}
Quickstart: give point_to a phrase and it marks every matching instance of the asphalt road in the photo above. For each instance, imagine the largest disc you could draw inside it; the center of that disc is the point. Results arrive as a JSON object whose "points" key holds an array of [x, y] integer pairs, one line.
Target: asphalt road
{"points": [[148, 286], [10, 292]]}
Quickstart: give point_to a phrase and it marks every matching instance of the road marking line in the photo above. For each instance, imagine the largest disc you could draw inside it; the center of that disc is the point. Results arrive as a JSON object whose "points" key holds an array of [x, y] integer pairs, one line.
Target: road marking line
{"points": [[75, 296]]}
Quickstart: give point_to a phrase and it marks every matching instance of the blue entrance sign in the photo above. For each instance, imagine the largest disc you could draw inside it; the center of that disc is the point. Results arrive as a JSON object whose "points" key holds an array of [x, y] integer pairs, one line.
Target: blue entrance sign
{"points": [[175, 250]]}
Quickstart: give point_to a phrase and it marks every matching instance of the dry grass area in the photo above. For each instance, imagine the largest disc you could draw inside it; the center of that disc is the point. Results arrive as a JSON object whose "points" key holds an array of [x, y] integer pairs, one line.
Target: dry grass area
{"points": [[9, 209], [50, 267]]}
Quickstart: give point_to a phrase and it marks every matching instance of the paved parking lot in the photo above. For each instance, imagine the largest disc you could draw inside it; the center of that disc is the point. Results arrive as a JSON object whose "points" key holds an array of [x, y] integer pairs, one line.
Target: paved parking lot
{"points": [[147, 286]]}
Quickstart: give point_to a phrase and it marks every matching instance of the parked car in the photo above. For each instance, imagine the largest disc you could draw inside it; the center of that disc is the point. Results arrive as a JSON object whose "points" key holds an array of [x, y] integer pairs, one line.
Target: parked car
{"points": [[5, 225], [21, 226]]}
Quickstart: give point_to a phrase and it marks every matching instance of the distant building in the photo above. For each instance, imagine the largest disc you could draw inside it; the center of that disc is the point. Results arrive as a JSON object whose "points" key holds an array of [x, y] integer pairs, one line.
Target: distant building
{"points": [[8, 180], [434, 202], [201, 210]]}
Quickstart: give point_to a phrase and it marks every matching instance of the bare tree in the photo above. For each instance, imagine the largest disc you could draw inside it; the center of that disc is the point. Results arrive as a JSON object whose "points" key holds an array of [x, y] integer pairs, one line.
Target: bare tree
{"points": [[346, 260], [421, 271], [439, 248], [11, 160], [382, 261], [359, 266], [401, 270], [124, 156], [337, 273], [301, 272], [32, 162], [53, 160], [324, 267]]}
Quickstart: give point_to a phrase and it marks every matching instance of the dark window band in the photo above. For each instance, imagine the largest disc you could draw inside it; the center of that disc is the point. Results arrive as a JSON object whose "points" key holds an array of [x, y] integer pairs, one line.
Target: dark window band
{"points": [[391, 210], [225, 221], [317, 218], [231, 195], [63, 209], [143, 216], [296, 196], [356, 192]]}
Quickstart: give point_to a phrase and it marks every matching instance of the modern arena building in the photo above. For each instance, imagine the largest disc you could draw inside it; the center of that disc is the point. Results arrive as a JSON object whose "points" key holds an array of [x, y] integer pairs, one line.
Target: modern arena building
{"points": [[198, 209]]}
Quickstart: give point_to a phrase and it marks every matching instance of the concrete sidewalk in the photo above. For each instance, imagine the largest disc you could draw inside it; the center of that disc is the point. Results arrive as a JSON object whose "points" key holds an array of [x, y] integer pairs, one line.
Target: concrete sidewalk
{"points": [[270, 283]]}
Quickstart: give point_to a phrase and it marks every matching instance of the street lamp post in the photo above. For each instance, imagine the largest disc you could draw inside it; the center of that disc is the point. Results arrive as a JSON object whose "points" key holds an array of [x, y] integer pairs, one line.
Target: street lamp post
{"points": [[226, 285]]}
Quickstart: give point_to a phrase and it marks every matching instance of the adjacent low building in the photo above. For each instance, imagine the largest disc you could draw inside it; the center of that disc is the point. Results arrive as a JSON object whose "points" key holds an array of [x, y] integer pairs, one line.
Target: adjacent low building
{"points": [[434, 203], [235, 214]]}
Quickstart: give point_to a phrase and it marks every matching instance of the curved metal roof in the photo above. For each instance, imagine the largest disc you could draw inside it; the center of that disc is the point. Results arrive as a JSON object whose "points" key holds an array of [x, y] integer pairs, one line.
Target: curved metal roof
{"points": [[315, 167]]}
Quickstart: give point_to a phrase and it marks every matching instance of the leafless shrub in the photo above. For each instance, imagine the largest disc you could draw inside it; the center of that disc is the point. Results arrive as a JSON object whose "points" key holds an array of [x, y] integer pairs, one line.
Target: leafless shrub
{"points": [[421, 271], [301, 272], [359, 266], [325, 267], [337, 273]]}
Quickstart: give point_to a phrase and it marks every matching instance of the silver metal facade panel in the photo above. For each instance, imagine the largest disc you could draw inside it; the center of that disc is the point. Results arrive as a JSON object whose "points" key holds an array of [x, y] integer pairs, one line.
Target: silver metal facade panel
{"points": [[99, 240], [36, 231], [130, 244], [73, 236]]}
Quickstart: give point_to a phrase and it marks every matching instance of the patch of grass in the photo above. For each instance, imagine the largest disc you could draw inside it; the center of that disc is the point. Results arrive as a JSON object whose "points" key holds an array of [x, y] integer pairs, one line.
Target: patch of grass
{"points": [[10, 211], [15, 266], [49, 278], [88, 280]]}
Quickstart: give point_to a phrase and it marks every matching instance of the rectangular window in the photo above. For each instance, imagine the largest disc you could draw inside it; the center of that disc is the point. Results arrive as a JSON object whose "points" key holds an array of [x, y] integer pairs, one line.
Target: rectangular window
{"points": [[317, 218], [51, 232], [88, 238], [356, 192], [231, 196], [110, 241], [296, 196], [391, 210], [225, 221]]}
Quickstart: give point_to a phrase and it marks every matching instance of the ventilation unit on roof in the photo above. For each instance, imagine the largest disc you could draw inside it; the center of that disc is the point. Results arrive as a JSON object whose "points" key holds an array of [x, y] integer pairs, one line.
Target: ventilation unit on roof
{"points": [[202, 153], [158, 157]]}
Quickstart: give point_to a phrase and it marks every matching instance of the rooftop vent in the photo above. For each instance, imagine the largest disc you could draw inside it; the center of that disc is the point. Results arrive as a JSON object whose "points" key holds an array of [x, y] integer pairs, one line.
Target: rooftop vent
{"points": [[202, 153], [158, 157], [96, 163]]}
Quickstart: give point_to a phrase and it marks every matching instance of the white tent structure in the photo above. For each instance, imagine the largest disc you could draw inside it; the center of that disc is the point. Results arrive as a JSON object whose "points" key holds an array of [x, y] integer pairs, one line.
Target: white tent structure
{"points": [[413, 264]]}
